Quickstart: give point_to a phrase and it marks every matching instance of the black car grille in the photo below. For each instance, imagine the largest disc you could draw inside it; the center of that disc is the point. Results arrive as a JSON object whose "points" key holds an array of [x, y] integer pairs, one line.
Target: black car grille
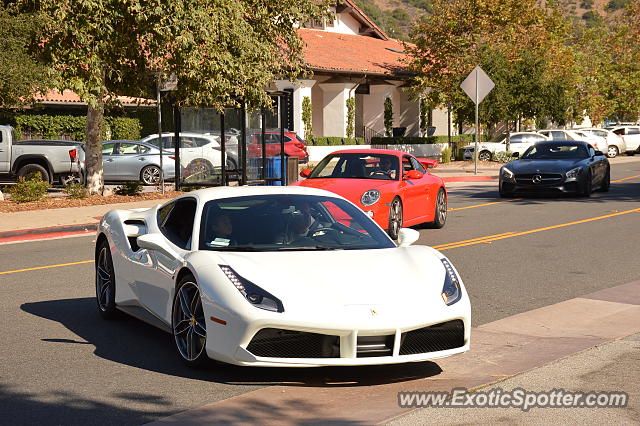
{"points": [[544, 179], [369, 346], [438, 337], [278, 343]]}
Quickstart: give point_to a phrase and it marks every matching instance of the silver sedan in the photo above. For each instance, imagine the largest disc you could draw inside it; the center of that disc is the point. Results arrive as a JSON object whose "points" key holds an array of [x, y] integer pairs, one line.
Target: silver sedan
{"points": [[132, 160]]}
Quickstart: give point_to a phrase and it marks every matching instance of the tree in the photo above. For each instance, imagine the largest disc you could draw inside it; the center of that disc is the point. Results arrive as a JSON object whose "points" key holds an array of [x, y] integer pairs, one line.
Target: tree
{"points": [[221, 51], [21, 76], [515, 40]]}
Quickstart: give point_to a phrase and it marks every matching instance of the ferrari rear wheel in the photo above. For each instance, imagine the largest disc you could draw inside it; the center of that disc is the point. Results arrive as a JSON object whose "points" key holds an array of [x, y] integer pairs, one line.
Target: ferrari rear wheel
{"points": [[440, 216], [188, 324], [395, 218], [105, 282]]}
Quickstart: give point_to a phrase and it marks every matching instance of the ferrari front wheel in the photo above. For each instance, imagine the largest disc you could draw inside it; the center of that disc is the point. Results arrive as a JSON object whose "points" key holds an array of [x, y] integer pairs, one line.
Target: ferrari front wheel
{"points": [[395, 218], [105, 282], [188, 325]]}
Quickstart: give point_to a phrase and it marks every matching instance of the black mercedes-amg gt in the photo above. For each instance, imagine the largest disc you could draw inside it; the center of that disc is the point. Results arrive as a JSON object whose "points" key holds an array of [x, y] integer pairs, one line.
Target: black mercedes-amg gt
{"points": [[556, 167]]}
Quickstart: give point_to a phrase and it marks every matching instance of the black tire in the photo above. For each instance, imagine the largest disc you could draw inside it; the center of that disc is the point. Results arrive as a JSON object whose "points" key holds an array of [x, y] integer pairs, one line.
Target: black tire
{"points": [[188, 324], [34, 168], [150, 175], [105, 282], [395, 218], [440, 215], [612, 151], [587, 188], [484, 156], [606, 182], [231, 163]]}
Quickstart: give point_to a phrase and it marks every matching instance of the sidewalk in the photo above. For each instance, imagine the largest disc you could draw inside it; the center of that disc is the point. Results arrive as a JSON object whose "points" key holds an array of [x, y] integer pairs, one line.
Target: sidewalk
{"points": [[73, 219]]}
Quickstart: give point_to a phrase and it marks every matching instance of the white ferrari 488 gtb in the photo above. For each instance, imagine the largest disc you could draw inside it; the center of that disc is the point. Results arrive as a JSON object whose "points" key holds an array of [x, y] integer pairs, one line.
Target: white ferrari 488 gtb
{"points": [[279, 276]]}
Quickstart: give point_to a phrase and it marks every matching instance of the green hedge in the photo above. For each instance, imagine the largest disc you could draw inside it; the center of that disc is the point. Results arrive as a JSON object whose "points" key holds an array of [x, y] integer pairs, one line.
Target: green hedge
{"points": [[336, 140], [74, 127], [410, 140]]}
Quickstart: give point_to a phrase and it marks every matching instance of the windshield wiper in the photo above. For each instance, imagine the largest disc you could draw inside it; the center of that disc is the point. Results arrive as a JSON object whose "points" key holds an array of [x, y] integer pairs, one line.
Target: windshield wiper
{"points": [[308, 248]]}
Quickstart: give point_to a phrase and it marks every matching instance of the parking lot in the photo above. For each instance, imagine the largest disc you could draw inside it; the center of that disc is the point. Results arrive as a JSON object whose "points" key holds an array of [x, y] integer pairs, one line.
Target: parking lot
{"points": [[63, 364]]}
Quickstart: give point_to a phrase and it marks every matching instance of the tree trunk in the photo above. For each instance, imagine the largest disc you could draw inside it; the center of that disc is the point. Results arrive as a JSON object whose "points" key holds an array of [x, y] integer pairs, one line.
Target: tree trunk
{"points": [[93, 160]]}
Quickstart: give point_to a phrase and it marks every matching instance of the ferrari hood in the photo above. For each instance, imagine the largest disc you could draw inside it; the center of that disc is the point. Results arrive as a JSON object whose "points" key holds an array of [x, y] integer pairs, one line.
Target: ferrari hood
{"points": [[311, 280], [351, 189], [542, 166]]}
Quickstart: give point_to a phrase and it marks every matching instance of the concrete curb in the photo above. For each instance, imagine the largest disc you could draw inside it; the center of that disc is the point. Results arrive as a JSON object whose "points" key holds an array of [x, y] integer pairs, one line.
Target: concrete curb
{"points": [[48, 232]]}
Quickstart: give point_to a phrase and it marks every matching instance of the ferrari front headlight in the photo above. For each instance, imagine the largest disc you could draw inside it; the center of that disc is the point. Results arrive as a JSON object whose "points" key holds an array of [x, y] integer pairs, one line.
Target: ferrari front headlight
{"points": [[574, 173], [370, 197], [451, 289], [255, 295]]}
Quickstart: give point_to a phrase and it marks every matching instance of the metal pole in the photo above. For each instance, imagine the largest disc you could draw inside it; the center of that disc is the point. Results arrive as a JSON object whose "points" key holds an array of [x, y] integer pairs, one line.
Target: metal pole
{"points": [[475, 168], [223, 151], [263, 143], [243, 150], [176, 142], [160, 135], [283, 165]]}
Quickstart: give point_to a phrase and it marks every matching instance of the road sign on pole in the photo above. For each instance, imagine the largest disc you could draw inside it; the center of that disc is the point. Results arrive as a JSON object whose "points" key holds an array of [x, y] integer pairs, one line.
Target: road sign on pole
{"points": [[477, 86]]}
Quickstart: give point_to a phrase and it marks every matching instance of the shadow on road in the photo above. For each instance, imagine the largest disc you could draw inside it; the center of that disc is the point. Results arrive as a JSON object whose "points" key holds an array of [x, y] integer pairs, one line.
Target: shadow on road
{"points": [[134, 343], [623, 191]]}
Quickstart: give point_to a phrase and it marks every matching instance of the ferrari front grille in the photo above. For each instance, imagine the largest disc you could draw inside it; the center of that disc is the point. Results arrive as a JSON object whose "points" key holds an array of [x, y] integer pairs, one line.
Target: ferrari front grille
{"points": [[438, 337], [369, 346], [278, 343]]}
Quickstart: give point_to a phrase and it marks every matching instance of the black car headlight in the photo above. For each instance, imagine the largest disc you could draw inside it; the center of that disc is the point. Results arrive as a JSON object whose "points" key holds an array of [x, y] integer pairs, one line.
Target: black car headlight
{"points": [[506, 174], [255, 295], [574, 173], [451, 289]]}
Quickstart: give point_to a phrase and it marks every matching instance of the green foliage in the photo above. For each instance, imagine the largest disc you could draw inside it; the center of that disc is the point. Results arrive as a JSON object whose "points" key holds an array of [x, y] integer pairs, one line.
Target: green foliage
{"points": [[130, 188], [446, 155], [76, 190], [29, 188], [388, 116], [502, 156], [617, 4], [22, 75], [586, 4], [351, 116], [336, 140], [74, 127], [411, 140], [307, 114]]}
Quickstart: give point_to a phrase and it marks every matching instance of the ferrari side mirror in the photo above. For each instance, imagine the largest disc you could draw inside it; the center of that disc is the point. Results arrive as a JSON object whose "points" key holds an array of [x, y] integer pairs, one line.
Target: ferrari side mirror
{"points": [[156, 242], [407, 236], [305, 173]]}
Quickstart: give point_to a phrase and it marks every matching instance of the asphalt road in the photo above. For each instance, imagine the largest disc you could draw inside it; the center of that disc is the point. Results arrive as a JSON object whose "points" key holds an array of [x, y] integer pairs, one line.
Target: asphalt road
{"points": [[62, 364]]}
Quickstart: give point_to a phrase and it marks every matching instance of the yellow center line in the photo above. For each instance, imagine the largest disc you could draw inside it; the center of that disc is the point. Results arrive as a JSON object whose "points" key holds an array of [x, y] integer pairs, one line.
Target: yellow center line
{"points": [[482, 205], [492, 238], [627, 178], [45, 267]]}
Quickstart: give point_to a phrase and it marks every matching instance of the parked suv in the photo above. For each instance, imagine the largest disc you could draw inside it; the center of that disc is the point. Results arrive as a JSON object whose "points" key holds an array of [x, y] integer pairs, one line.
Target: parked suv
{"points": [[518, 143], [294, 146], [631, 137]]}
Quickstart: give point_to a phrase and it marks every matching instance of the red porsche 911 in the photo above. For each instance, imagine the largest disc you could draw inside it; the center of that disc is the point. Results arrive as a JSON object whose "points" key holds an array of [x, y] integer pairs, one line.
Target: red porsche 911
{"points": [[392, 187]]}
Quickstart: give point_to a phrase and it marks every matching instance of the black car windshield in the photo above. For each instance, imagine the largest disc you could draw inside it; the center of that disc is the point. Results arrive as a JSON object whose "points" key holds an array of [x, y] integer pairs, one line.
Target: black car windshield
{"points": [[357, 166], [556, 151], [282, 222]]}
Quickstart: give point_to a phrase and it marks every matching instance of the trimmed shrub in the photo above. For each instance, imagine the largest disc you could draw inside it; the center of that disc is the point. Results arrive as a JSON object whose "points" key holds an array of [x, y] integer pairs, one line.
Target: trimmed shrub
{"points": [[502, 157], [446, 155], [29, 188], [411, 140], [76, 190], [130, 188], [335, 141]]}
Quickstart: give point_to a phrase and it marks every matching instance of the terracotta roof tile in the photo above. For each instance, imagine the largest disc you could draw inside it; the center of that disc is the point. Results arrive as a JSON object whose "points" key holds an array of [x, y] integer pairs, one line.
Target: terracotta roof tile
{"points": [[68, 96], [328, 51]]}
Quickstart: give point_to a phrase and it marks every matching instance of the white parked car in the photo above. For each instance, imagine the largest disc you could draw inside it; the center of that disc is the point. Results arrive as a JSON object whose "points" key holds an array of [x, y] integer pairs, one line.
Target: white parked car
{"points": [[279, 276], [615, 144], [519, 143], [199, 152], [631, 137], [576, 135]]}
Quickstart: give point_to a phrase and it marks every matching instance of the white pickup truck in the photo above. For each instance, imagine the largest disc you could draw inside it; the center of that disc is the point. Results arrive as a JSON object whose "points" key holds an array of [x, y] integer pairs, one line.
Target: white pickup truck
{"points": [[56, 161]]}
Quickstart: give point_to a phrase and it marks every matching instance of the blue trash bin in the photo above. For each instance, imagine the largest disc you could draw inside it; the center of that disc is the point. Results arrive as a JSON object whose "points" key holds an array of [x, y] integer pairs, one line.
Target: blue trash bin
{"points": [[273, 169]]}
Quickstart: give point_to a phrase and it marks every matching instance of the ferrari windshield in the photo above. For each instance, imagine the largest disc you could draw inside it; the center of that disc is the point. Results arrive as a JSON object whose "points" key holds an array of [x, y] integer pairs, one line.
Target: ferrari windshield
{"points": [[276, 222], [556, 151], [357, 166]]}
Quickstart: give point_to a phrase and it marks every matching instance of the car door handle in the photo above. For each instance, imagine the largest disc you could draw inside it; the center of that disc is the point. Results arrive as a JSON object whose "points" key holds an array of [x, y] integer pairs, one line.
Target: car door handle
{"points": [[141, 159], [109, 160]]}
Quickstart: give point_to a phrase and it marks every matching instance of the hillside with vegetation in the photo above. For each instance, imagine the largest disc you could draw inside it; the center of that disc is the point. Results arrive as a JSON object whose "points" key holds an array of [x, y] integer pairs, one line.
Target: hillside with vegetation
{"points": [[396, 17]]}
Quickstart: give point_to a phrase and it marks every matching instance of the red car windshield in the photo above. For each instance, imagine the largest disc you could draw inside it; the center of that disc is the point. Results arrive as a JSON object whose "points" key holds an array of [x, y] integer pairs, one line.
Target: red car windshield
{"points": [[358, 166]]}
